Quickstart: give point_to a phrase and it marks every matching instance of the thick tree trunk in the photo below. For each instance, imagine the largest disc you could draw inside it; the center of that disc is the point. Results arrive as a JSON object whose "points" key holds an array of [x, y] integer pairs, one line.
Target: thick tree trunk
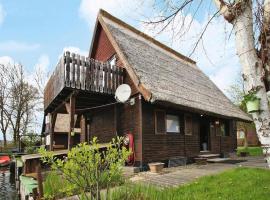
{"points": [[253, 73], [241, 16]]}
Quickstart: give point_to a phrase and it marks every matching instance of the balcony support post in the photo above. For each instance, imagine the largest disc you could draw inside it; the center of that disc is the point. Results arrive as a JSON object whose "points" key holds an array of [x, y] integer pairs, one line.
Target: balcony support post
{"points": [[71, 111], [53, 116]]}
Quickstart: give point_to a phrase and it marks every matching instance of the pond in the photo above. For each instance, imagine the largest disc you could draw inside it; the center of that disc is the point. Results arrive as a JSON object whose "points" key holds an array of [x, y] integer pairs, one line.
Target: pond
{"points": [[7, 185]]}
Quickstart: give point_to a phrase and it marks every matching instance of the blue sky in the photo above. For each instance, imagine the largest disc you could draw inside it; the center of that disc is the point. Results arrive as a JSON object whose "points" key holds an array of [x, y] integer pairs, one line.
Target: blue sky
{"points": [[35, 32]]}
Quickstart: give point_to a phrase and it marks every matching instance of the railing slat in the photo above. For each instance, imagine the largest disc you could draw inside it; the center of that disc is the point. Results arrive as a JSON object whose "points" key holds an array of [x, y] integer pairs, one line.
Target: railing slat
{"points": [[82, 73], [105, 69], [67, 67], [77, 71], [88, 74], [72, 70]]}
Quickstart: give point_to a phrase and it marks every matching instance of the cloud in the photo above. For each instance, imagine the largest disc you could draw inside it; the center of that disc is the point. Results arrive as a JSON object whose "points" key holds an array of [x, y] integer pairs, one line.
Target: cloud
{"points": [[6, 60], [76, 50], [121, 8], [215, 54], [42, 63], [2, 14], [11, 46]]}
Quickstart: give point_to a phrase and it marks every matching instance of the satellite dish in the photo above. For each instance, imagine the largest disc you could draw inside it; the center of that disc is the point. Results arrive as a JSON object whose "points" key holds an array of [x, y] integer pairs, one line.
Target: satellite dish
{"points": [[122, 93]]}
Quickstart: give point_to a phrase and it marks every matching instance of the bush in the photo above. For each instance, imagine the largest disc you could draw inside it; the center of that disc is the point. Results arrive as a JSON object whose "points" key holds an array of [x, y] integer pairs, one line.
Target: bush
{"points": [[89, 168], [55, 186]]}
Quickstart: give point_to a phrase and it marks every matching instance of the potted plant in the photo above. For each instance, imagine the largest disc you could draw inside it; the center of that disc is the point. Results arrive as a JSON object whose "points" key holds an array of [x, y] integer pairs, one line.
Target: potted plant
{"points": [[156, 167], [252, 102]]}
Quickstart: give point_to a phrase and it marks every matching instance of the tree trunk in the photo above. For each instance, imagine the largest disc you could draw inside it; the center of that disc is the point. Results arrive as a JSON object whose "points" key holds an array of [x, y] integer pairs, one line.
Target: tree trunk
{"points": [[5, 139], [253, 72]]}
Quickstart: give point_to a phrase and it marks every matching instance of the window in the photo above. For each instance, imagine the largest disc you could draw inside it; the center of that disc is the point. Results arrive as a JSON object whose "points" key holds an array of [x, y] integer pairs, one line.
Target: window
{"points": [[112, 60], [172, 124], [188, 125], [166, 123], [160, 127]]}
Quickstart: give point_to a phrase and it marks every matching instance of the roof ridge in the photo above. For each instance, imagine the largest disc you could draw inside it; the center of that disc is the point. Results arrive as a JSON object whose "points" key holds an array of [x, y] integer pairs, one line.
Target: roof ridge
{"points": [[145, 36]]}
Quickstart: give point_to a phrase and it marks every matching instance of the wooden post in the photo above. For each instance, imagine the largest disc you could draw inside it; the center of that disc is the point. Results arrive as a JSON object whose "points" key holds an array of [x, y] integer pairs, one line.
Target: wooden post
{"points": [[71, 120], [52, 124], [83, 129], [39, 180]]}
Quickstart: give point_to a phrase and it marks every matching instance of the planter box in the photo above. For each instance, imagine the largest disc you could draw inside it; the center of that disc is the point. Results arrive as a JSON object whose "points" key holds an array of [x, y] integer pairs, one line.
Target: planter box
{"points": [[253, 106], [156, 167]]}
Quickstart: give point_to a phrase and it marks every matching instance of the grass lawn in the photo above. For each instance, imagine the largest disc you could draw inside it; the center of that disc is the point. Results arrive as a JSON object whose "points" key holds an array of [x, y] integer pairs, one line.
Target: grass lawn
{"points": [[253, 151], [236, 184]]}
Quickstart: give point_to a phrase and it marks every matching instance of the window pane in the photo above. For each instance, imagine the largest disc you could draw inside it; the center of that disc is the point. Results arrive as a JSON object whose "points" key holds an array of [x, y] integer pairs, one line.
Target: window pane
{"points": [[172, 122]]}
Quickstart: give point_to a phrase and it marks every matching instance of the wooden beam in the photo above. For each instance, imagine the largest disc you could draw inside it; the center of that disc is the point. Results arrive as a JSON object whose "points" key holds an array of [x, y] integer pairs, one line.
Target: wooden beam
{"points": [[71, 109], [52, 125], [83, 129]]}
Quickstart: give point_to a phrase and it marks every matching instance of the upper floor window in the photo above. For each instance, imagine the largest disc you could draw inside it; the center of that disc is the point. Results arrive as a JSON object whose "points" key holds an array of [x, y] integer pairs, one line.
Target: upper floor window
{"points": [[112, 60]]}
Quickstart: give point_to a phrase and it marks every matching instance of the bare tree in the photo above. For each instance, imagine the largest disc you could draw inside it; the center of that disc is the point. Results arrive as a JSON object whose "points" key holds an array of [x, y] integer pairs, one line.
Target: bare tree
{"points": [[18, 101], [23, 101], [251, 27], [4, 97]]}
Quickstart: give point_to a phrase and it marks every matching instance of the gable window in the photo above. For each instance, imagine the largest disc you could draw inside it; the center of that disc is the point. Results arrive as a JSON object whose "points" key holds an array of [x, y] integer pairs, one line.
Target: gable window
{"points": [[112, 60], [172, 124]]}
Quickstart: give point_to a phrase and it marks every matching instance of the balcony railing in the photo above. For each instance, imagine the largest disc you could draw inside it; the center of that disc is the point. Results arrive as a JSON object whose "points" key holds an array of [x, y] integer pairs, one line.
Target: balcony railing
{"points": [[80, 73]]}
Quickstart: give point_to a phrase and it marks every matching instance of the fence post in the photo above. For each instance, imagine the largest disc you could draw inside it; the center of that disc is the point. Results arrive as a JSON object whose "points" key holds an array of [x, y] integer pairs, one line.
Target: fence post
{"points": [[39, 180]]}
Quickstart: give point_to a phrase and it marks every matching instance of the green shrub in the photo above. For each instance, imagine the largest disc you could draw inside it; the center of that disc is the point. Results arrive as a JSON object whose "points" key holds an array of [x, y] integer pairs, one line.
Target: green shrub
{"points": [[89, 168], [55, 186]]}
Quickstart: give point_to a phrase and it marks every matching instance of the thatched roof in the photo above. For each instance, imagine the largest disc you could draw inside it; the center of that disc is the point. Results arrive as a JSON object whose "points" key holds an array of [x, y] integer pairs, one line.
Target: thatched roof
{"points": [[167, 75]]}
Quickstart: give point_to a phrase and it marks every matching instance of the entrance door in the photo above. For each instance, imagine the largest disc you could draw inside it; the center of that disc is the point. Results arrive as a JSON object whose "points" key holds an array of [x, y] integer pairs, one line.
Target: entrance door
{"points": [[204, 134]]}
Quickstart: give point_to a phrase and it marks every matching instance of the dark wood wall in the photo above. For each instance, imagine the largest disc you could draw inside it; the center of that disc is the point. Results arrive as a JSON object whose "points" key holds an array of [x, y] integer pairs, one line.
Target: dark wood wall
{"points": [[159, 147]]}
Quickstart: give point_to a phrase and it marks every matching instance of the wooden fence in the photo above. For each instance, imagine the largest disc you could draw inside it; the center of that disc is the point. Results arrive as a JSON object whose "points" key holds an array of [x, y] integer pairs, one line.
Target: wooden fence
{"points": [[79, 72]]}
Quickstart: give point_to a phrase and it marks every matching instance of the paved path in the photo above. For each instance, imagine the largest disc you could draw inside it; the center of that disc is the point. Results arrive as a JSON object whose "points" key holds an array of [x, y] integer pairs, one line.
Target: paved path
{"points": [[172, 177]]}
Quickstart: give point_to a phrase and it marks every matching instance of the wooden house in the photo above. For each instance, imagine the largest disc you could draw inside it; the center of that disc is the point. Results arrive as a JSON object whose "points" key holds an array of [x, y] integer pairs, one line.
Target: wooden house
{"points": [[176, 109]]}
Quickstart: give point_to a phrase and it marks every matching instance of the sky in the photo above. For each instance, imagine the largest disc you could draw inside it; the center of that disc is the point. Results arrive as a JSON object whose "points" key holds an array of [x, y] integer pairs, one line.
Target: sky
{"points": [[36, 32]]}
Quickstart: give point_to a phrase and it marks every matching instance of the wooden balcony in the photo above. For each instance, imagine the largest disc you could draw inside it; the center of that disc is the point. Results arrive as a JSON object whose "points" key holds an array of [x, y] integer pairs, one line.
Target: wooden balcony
{"points": [[75, 72]]}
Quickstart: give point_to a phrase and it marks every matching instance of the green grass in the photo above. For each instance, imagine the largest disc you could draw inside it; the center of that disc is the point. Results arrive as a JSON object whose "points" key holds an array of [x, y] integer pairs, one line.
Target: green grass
{"points": [[253, 151], [236, 184]]}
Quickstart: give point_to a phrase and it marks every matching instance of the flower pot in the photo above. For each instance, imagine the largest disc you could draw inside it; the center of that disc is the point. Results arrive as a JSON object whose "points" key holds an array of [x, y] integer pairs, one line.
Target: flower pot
{"points": [[156, 167], [253, 106]]}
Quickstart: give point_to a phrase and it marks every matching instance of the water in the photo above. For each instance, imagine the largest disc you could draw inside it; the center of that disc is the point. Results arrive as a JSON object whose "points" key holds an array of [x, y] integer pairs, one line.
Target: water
{"points": [[7, 185]]}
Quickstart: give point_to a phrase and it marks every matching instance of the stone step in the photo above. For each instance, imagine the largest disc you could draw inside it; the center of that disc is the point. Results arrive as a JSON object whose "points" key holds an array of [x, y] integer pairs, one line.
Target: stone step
{"points": [[208, 156], [205, 152], [217, 160]]}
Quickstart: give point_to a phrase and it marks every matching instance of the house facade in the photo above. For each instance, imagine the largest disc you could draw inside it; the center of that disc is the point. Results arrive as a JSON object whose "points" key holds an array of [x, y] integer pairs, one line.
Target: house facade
{"points": [[176, 110]]}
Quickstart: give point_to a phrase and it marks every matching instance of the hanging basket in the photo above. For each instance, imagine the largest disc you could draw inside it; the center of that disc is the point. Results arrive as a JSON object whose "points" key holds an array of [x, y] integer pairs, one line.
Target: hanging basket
{"points": [[253, 106]]}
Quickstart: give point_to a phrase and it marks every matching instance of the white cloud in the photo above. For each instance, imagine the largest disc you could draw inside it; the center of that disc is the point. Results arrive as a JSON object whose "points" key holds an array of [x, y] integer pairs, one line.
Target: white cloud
{"points": [[214, 55], [6, 60], [76, 50], [121, 8], [2, 14], [8, 46]]}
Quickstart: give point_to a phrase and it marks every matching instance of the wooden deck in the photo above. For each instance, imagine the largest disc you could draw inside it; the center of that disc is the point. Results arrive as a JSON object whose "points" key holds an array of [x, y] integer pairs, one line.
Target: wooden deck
{"points": [[75, 72]]}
